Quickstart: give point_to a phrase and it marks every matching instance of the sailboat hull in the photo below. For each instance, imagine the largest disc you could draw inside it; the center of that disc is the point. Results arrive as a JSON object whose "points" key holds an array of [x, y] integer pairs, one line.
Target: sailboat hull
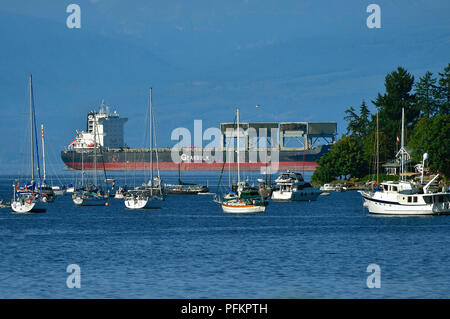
{"points": [[94, 201], [133, 203], [24, 206], [242, 208]]}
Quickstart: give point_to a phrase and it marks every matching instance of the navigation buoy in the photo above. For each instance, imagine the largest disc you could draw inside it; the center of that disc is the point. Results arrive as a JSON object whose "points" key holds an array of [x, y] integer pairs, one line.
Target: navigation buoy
{"points": [[106, 204]]}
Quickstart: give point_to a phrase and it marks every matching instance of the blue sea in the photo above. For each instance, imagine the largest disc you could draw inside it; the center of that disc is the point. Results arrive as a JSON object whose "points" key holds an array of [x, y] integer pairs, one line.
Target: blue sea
{"points": [[189, 248]]}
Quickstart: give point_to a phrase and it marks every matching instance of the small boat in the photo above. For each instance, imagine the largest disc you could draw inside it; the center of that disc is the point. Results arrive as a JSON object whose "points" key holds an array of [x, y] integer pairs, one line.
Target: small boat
{"points": [[3, 204], [292, 187], [183, 188], [246, 199], [90, 196], [150, 194], [141, 198], [404, 197], [30, 198], [328, 187], [119, 193], [58, 191], [324, 194]]}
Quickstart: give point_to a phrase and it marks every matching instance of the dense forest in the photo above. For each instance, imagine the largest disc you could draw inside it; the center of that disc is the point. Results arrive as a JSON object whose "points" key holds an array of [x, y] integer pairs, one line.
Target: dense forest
{"points": [[427, 127]]}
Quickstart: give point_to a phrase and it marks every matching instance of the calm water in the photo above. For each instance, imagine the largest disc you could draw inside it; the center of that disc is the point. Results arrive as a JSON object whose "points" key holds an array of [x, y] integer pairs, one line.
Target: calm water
{"points": [[190, 249]]}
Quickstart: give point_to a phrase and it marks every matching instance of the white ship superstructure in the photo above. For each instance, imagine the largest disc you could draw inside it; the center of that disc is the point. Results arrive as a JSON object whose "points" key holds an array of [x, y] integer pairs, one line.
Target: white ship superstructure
{"points": [[109, 131]]}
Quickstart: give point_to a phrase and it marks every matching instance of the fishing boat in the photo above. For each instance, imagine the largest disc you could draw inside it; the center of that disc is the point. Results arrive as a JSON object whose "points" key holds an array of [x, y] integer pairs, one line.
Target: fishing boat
{"points": [[405, 197], [150, 194], [292, 187], [246, 199], [29, 198]]}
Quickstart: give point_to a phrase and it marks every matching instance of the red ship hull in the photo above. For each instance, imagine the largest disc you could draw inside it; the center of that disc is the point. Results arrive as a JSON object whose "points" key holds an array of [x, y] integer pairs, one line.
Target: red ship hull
{"points": [[170, 166]]}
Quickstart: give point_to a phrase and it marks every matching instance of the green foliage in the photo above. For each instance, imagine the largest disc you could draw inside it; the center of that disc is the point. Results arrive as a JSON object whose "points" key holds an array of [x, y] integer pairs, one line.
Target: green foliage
{"points": [[358, 125], [443, 92], [432, 135], [427, 116], [345, 158], [426, 95], [398, 95]]}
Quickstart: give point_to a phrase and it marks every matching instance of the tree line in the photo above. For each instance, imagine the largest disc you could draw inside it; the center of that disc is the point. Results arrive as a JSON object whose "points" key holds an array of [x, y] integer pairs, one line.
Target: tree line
{"points": [[427, 127]]}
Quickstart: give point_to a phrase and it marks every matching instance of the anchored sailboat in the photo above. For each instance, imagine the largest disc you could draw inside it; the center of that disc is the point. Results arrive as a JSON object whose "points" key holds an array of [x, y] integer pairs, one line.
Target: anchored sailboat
{"points": [[29, 198], [150, 194], [246, 199], [91, 194]]}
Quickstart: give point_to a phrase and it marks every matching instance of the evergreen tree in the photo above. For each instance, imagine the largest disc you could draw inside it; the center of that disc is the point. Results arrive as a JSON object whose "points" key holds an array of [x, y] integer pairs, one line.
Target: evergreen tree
{"points": [[432, 135], [398, 85], [426, 93], [443, 92], [357, 124]]}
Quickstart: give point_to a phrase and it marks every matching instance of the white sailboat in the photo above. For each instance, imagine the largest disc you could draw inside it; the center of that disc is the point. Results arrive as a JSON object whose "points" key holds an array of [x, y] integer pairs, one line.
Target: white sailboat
{"points": [[148, 195], [404, 197], [29, 198], [247, 200], [91, 195]]}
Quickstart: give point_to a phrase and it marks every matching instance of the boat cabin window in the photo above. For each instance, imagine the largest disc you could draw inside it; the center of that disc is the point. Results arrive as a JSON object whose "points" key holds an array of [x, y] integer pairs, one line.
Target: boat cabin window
{"points": [[428, 199], [409, 199], [394, 188], [385, 187], [415, 199]]}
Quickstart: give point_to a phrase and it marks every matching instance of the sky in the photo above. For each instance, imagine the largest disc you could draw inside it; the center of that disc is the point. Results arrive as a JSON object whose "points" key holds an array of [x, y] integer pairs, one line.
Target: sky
{"points": [[299, 60]]}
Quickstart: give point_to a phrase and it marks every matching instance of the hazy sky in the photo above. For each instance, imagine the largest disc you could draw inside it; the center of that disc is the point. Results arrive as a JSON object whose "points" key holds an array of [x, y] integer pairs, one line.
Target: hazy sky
{"points": [[300, 60]]}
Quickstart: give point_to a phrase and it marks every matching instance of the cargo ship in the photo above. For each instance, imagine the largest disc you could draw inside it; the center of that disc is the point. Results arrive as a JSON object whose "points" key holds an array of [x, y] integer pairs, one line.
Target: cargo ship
{"points": [[313, 139]]}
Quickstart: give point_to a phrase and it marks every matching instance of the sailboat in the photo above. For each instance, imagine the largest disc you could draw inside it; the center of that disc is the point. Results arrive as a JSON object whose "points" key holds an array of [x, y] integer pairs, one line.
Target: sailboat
{"points": [[404, 197], [91, 195], [183, 188], [45, 189], [29, 198], [246, 199], [148, 195]]}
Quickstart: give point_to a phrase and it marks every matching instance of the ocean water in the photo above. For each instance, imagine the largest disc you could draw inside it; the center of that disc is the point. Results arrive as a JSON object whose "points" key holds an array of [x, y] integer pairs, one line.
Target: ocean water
{"points": [[188, 248]]}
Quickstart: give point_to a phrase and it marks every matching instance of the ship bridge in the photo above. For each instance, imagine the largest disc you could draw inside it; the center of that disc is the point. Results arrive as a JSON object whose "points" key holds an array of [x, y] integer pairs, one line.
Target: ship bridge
{"points": [[282, 135]]}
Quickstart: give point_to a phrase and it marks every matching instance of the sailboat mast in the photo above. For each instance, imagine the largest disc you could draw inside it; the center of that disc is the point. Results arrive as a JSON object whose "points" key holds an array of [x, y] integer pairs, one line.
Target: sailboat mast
{"points": [[238, 160], [43, 151], [95, 150], [378, 151], [31, 128], [151, 138], [402, 145]]}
